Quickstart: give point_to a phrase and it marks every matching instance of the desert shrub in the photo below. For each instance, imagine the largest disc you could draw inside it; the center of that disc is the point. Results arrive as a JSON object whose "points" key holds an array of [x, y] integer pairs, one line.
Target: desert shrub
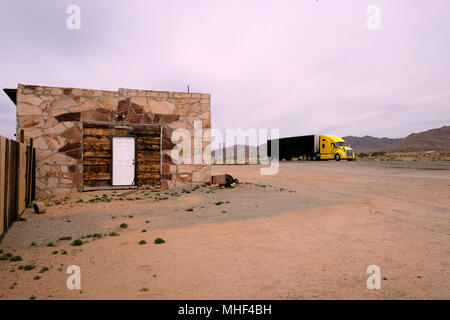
{"points": [[29, 267], [378, 153], [77, 243], [51, 244], [362, 155], [113, 234], [190, 209], [44, 269], [142, 242], [159, 240], [15, 258], [66, 238], [124, 226]]}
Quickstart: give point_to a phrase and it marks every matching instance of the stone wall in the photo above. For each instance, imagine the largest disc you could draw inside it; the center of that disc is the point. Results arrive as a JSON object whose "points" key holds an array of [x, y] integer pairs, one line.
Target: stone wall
{"points": [[54, 118]]}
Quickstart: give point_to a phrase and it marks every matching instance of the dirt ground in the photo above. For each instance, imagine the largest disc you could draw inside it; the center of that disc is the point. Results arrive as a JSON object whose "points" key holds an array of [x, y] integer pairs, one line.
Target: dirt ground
{"points": [[309, 232]]}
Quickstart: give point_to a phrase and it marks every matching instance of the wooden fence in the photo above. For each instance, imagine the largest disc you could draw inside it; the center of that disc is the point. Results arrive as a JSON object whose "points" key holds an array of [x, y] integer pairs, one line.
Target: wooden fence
{"points": [[17, 180]]}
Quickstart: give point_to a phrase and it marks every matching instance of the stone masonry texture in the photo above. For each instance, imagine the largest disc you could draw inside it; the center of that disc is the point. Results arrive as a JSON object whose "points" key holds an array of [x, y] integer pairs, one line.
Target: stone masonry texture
{"points": [[54, 118]]}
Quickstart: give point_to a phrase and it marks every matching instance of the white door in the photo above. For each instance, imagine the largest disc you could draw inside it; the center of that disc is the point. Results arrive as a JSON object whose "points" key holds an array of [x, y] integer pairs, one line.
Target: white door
{"points": [[123, 161]]}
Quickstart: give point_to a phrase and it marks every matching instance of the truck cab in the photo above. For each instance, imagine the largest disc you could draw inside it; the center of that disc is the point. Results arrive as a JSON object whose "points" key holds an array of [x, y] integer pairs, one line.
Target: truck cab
{"points": [[334, 147]]}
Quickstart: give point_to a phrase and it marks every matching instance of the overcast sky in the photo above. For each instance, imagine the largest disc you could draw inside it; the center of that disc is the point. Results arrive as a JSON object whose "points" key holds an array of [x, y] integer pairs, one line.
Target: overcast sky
{"points": [[303, 66]]}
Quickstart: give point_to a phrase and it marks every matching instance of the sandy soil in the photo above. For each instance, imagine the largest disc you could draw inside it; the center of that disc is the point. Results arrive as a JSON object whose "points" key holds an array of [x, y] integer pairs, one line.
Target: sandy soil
{"points": [[309, 232]]}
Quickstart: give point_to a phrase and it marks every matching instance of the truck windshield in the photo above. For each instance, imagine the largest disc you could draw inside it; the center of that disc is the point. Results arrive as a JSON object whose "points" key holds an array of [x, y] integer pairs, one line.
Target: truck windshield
{"points": [[340, 144]]}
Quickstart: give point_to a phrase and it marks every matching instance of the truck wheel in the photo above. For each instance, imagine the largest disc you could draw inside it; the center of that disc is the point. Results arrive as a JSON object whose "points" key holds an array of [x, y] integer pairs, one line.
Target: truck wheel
{"points": [[314, 157], [337, 157]]}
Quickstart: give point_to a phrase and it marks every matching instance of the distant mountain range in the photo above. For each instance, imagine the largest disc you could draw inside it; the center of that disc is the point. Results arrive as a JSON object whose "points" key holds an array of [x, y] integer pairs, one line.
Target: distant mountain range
{"points": [[369, 143], [435, 139]]}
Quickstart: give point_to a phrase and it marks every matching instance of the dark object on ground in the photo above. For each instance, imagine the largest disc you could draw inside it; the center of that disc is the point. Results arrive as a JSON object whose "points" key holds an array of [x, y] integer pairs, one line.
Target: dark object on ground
{"points": [[39, 207], [223, 180]]}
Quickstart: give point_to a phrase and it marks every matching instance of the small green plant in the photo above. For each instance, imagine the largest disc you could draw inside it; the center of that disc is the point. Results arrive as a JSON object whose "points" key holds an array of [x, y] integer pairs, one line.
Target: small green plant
{"points": [[77, 243], [44, 269], [32, 298], [378, 153], [55, 252], [190, 209], [63, 252], [29, 267], [224, 211], [66, 238], [384, 278], [33, 244], [362, 155], [124, 226], [113, 234], [142, 242], [15, 258], [97, 235], [145, 289], [218, 203], [51, 244], [144, 230], [159, 240], [36, 277], [147, 221]]}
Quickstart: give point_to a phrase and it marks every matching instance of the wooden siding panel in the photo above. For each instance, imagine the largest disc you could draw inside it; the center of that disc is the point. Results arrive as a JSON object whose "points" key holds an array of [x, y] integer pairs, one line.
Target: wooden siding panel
{"points": [[97, 153]]}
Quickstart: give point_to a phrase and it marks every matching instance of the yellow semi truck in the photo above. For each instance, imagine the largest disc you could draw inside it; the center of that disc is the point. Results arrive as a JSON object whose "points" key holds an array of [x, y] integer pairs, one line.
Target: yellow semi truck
{"points": [[312, 147]]}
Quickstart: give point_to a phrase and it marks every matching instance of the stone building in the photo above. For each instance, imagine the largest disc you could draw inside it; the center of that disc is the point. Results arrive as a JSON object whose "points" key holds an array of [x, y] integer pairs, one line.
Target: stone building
{"points": [[95, 139]]}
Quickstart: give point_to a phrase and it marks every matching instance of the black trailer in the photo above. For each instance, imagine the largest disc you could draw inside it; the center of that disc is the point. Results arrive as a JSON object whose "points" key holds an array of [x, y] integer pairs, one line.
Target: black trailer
{"points": [[294, 147]]}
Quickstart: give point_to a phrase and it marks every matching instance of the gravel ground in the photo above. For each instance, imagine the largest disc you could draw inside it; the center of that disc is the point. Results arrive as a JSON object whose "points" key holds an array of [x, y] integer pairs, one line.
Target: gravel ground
{"points": [[308, 232]]}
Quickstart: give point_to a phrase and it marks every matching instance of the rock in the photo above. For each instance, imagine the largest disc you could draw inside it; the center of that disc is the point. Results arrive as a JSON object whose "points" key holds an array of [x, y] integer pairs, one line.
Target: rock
{"points": [[42, 172], [40, 143], [65, 181], [89, 104], [30, 121], [72, 134], [29, 98], [57, 91], [39, 207], [76, 154], [63, 103], [160, 107], [77, 92], [140, 101], [55, 142], [58, 129], [25, 109], [33, 132], [70, 146], [61, 159], [42, 154], [70, 116], [52, 182], [109, 103]]}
